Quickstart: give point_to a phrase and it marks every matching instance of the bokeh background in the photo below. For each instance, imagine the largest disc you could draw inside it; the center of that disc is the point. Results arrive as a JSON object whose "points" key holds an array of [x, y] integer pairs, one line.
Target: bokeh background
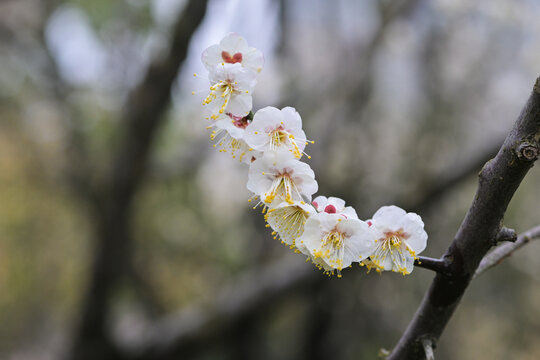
{"points": [[125, 235]]}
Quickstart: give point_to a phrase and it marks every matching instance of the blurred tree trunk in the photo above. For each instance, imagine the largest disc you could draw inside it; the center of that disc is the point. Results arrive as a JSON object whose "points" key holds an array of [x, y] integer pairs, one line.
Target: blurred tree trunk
{"points": [[142, 115]]}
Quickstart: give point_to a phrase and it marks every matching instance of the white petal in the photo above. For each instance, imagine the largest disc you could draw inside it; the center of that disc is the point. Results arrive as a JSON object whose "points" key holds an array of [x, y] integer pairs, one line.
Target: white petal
{"points": [[327, 222], [257, 182], [349, 212], [292, 118], [338, 203], [311, 237], [264, 120], [253, 59], [410, 265], [320, 202], [240, 104], [413, 226], [360, 242], [388, 216], [387, 264], [211, 57], [234, 43]]}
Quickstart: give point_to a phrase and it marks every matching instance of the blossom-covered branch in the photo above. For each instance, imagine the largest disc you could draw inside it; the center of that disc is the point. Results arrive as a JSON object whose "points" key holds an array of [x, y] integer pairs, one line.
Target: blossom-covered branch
{"points": [[503, 251], [272, 143], [498, 181]]}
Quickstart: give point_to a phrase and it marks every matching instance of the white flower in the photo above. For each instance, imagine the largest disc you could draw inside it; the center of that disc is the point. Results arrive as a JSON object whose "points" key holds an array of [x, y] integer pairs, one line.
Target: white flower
{"points": [[334, 205], [334, 243], [400, 236], [276, 180], [274, 130], [233, 49], [229, 133], [288, 220], [231, 90]]}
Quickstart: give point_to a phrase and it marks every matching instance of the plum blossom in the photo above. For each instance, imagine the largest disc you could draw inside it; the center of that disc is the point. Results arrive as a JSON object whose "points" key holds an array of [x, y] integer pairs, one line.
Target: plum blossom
{"points": [[334, 243], [288, 220], [334, 205], [228, 132], [276, 180], [274, 130], [233, 49], [231, 90], [400, 236]]}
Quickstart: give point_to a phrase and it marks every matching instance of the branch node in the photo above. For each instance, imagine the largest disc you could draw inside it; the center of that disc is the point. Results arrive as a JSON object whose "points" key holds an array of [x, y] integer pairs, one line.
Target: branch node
{"points": [[527, 151], [506, 234]]}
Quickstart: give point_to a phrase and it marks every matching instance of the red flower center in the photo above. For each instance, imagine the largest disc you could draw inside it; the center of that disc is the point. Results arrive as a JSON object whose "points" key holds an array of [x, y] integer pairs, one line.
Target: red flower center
{"points": [[239, 121], [236, 58], [331, 209]]}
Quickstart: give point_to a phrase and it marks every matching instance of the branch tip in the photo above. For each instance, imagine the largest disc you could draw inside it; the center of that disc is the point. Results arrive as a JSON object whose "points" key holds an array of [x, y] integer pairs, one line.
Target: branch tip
{"points": [[438, 265]]}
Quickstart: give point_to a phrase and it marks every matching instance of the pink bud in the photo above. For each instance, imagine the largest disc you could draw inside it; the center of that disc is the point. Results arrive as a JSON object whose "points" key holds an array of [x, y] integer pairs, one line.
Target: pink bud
{"points": [[331, 209]]}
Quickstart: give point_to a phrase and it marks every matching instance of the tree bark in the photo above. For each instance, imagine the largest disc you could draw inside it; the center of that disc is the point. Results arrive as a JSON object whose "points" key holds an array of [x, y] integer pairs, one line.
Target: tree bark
{"points": [[498, 181]]}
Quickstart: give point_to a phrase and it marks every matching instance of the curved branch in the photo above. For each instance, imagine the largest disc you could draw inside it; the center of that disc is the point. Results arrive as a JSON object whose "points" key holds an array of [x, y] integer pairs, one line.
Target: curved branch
{"points": [[181, 334], [503, 251], [498, 181]]}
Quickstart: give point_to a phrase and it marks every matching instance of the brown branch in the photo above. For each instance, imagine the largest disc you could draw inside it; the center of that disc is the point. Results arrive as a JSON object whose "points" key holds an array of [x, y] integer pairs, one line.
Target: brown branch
{"points": [[503, 251], [498, 181], [142, 115], [188, 331], [441, 266]]}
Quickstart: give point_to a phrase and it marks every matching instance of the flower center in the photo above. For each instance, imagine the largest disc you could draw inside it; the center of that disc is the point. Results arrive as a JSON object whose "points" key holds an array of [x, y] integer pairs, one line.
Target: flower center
{"points": [[288, 222], [279, 137], [393, 245], [239, 121], [282, 187], [236, 58], [332, 249], [226, 89], [331, 209], [392, 240]]}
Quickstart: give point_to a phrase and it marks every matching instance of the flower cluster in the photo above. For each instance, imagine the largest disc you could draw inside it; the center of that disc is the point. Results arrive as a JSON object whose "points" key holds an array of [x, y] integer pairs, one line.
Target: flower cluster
{"points": [[271, 141]]}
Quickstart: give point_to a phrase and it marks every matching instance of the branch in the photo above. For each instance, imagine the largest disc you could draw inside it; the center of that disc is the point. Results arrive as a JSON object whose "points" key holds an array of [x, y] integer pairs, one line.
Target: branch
{"points": [[502, 252], [186, 334], [142, 115], [441, 266], [190, 329], [498, 181]]}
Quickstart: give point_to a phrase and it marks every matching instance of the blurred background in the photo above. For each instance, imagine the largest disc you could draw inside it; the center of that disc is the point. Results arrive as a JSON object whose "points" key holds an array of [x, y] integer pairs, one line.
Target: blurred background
{"points": [[125, 235]]}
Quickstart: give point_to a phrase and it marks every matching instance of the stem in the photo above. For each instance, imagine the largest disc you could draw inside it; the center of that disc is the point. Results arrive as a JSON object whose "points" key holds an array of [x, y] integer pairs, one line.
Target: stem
{"points": [[438, 265], [503, 251]]}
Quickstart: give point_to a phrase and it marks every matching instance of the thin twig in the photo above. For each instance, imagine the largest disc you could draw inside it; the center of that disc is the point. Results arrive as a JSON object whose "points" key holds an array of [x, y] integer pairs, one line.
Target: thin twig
{"points": [[505, 250], [505, 234], [440, 266]]}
